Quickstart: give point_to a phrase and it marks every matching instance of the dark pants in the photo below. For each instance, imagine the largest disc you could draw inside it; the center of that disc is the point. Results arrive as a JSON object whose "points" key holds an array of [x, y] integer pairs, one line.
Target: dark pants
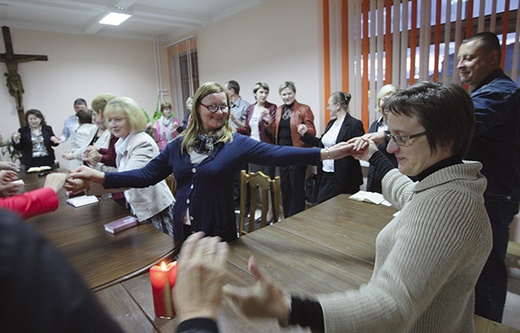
{"points": [[328, 187], [236, 187], [491, 288], [293, 189], [266, 169]]}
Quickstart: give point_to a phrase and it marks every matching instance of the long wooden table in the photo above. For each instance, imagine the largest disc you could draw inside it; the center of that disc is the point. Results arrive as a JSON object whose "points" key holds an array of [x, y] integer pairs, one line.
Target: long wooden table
{"points": [[102, 259], [327, 248]]}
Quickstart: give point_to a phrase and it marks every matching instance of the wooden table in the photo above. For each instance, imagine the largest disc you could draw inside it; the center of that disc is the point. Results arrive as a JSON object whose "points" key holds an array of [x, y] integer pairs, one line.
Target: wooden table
{"points": [[327, 248], [102, 259]]}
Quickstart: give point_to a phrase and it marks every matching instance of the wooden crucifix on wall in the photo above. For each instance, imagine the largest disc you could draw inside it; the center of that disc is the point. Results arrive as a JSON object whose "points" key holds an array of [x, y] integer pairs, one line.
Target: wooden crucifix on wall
{"points": [[14, 80]]}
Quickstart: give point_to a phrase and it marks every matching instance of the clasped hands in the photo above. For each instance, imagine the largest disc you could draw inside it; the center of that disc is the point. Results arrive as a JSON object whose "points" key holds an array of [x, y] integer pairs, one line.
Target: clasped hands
{"points": [[79, 179], [361, 148], [7, 186], [199, 287]]}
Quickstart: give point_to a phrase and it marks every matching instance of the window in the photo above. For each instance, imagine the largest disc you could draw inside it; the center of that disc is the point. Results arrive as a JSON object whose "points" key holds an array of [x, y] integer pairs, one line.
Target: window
{"points": [[184, 73]]}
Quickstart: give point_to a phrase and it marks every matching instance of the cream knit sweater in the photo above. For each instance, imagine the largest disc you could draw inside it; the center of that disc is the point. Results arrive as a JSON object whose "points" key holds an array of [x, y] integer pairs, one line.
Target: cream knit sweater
{"points": [[428, 258]]}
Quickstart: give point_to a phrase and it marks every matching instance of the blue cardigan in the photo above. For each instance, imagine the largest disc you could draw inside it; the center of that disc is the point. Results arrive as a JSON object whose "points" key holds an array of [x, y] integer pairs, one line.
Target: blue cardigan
{"points": [[207, 188]]}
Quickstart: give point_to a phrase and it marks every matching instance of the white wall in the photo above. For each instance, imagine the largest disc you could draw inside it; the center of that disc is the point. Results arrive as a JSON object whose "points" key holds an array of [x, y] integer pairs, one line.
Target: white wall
{"points": [[78, 66], [272, 42]]}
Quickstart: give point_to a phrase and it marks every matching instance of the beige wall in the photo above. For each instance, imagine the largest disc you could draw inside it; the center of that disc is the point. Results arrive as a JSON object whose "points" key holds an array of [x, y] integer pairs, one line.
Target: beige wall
{"points": [[272, 42], [78, 66]]}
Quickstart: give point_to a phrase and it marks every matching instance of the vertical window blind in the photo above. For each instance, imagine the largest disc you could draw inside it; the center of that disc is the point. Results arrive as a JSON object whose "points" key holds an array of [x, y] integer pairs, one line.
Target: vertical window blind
{"points": [[370, 43]]}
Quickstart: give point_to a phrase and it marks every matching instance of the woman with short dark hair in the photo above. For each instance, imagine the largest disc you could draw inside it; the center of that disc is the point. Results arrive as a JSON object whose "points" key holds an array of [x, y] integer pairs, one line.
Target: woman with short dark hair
{"points": [[428, 258]]}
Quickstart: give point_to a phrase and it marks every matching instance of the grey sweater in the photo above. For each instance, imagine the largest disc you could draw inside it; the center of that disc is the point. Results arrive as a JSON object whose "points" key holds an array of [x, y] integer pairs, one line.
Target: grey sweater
{"points": [[428, 258]]}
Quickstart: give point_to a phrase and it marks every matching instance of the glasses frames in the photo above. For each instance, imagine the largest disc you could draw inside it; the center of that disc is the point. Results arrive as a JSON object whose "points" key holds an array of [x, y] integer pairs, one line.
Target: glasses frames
{"points": [[403, 140], [215, 108]]}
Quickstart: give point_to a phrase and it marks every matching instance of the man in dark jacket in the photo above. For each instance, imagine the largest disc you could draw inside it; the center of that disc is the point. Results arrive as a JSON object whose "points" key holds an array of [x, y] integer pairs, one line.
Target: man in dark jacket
{"points": [[496, 144]]}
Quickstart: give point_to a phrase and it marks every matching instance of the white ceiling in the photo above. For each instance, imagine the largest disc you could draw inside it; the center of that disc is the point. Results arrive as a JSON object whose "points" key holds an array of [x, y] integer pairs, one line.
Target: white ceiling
{"points": [[166, 19]]}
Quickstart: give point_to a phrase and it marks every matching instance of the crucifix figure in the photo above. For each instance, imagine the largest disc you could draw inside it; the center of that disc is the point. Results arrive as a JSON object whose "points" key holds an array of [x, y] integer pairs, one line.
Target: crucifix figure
{"points": [[14, 80]]}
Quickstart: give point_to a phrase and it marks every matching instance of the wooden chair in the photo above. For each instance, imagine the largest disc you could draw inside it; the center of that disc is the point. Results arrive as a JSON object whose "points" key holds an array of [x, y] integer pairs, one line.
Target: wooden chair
{"points": [[484, 325], [261, 189], [170, 181], [513, 250]]}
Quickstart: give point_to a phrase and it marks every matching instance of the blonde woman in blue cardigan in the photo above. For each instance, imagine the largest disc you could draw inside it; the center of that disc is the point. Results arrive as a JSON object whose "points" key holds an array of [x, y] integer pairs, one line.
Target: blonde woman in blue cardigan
{"points": [[204, 161]]}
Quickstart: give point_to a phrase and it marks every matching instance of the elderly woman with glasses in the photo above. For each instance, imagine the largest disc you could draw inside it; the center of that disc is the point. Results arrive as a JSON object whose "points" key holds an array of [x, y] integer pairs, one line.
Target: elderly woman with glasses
{"points": [[204, 160], [134, 149], [428, 258]]}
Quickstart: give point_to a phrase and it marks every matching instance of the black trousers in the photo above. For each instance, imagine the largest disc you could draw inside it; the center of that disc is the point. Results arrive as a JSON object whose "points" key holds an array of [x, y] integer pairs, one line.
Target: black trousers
{"points": [[293, 189]]}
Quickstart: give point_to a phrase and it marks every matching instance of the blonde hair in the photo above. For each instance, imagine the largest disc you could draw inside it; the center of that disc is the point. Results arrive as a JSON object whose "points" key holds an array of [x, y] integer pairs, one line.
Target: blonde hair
{"points": [[188, 101], [100, 102], [195, 127], [387, 89], [130, 109], [287, 84]]}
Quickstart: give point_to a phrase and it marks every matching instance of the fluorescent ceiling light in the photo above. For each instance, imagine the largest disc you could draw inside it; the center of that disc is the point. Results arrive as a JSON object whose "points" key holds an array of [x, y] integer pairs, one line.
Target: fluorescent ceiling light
{"points": [[115, 17]]}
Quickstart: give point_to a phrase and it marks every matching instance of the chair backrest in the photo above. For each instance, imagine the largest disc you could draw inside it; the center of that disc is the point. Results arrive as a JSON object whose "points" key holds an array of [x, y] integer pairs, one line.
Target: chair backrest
{"points": [[170, 181], [261, 189]]}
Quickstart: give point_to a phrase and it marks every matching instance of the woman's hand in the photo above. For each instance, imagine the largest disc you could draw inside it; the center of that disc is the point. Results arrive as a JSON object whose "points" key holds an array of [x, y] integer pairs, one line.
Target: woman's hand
{"points": [[264, 299], [55, 181], [266, 117], [7, 188], [84, 172], [9, 166], [377, 137], [68, 155], [339, 150], [7, 176], [74, 186], [302, 129], [363, 148], [91, 156], [55, 140], [16, 136], [200, 278]]}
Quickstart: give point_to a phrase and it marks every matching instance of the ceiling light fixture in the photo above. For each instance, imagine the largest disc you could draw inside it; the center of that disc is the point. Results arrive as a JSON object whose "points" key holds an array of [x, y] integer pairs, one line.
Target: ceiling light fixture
{"points": [[116, 16]]}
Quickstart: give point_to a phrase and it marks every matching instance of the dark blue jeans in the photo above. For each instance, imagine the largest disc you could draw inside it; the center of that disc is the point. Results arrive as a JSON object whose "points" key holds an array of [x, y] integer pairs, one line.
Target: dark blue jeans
{"points": [[491, 288]]}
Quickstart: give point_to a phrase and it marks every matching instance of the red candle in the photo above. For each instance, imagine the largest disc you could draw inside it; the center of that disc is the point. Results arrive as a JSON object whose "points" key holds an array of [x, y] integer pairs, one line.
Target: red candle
{"points": [[163, 280]]}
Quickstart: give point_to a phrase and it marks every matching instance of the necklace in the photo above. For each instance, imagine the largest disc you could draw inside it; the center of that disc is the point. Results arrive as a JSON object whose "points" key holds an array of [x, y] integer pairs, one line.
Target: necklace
{"points": [[286, 113]]}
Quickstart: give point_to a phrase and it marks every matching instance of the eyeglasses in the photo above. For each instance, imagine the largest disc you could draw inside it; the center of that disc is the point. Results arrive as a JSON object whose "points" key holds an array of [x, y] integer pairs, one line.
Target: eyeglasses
{"points": [[402, 140], [215, 108]]}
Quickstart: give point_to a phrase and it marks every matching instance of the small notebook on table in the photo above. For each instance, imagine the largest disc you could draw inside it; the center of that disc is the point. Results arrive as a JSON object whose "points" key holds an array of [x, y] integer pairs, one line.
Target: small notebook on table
{"points": [[39, 169], [371, 197], [82, 200], [121, 224]]}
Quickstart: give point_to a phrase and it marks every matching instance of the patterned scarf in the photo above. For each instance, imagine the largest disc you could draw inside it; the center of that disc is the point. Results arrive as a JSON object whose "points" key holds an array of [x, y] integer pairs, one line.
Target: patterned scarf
{"points": [[206, 143]]}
